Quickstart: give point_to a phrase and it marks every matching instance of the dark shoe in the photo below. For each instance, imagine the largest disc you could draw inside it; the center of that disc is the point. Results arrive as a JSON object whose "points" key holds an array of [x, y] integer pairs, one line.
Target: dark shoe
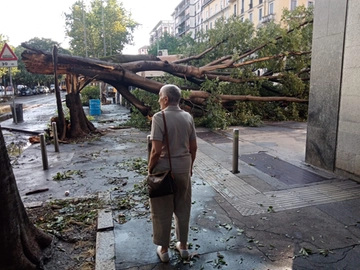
{"points": [[164, 257], [184, 253]]}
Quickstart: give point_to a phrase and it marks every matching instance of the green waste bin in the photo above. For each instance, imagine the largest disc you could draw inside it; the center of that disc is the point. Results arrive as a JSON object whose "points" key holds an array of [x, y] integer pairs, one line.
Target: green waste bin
{"points": [[19, 112]]}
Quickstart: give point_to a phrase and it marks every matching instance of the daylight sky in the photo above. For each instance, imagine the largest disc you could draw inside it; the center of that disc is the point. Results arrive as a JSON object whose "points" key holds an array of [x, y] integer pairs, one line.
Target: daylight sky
{"points": [[22, 20]]}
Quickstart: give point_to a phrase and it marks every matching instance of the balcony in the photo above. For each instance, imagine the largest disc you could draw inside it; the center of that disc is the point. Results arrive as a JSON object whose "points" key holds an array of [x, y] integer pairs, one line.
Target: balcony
{"points": [[268, 18], [181, 9], [182, 20]]}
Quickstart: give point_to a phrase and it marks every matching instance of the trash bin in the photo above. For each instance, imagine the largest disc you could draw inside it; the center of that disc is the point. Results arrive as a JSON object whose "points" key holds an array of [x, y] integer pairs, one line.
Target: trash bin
{"points": [[18, 111], [94, 106]]}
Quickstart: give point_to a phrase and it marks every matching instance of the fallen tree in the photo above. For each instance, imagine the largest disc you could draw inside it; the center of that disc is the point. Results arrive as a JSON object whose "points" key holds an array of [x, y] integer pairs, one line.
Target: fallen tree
{"points": [[225, 79], [123, 75]]}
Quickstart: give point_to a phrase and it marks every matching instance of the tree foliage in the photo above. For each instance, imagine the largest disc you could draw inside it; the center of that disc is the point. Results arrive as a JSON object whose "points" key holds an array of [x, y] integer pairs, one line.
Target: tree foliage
{"points": [[101, 29], [270, 61], [174, 45]]}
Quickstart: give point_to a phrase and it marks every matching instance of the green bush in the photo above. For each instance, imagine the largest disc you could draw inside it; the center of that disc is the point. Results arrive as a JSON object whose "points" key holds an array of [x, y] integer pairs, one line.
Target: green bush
{"points": [[89, 92]]}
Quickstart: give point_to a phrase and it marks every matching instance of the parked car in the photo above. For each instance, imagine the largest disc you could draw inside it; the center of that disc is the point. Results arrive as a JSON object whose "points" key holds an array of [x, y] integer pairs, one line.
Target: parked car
{"points": [[25, 91], [52, 87], [40, 90], [35, 90], [44, 89], [9, 90]]}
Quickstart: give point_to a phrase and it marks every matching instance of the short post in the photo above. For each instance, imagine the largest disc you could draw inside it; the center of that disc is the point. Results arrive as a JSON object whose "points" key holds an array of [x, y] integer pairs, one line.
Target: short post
{"points": [[56, 141], [43, 152], [235, 152], [149, 145]]}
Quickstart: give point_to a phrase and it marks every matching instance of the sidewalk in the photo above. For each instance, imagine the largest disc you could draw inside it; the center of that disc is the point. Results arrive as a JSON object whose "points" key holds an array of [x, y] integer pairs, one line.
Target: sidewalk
{"points": [[268, 216]]}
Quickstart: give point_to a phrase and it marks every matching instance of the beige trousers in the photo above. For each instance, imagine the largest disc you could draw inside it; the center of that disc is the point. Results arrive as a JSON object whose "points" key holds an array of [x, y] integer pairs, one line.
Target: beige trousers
{"points": [[163, 209]]}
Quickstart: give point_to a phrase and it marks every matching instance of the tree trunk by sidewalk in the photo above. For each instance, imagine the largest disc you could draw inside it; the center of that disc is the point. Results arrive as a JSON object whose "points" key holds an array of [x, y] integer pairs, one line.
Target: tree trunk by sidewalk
{"points": [[21, 242], [80, 126]]}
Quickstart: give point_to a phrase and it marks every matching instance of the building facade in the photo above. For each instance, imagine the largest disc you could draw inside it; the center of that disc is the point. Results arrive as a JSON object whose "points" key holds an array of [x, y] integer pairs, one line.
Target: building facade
{"points": [[256, 11], [192, 16], [184, 18], [160, 29]]}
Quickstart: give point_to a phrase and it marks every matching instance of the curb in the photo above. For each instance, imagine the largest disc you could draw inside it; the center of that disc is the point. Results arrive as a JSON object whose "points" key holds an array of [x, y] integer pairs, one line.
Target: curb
{"points": [[105, 239]]}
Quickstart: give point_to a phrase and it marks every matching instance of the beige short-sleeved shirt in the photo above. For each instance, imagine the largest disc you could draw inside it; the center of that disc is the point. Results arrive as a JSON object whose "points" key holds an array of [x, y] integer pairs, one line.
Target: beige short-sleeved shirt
{"points": [[181, 130]]}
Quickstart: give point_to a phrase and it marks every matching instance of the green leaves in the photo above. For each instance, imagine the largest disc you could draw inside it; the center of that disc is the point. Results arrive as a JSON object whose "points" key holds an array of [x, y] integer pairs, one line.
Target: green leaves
{"points": [[67, 175], [100, 29]]}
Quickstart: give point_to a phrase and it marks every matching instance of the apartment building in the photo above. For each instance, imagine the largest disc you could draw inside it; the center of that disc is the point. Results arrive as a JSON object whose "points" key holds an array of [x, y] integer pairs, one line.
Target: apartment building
{"points": [[160, 29], [184, 18], [263, 11], [191, 16], [143, 50], [257, 11]]}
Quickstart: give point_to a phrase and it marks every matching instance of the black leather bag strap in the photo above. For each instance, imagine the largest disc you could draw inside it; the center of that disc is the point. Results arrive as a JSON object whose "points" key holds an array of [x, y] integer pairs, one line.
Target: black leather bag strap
{"points": [[167, 139]]}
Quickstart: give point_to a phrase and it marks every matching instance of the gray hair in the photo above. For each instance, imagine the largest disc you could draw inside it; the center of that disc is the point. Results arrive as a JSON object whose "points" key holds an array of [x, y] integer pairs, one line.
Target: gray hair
{"points": [[172, 92]]}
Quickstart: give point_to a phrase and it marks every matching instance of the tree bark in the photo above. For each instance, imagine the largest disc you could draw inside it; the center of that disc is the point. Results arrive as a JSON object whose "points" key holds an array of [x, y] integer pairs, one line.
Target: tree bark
{"points": [[80, 126], [21, 243]]}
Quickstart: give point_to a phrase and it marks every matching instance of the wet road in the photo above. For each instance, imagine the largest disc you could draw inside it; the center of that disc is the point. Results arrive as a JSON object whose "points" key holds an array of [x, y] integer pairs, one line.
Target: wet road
{"points": [[36, 106]]}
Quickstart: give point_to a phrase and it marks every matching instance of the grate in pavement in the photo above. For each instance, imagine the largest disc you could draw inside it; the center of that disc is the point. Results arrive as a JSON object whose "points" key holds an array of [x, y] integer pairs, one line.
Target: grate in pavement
{"points": [[283, 171]]}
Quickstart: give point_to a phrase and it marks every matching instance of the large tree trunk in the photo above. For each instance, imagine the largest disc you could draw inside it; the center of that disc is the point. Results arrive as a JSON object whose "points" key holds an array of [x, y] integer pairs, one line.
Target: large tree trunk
{"points": [[21, 242], [80, 126]]}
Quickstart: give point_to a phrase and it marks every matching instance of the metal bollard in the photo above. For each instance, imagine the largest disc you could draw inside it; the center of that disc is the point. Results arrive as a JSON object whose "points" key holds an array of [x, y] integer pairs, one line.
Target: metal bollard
{"points": [[149, 145], [43, 152], [56, 141], [236, 152]]}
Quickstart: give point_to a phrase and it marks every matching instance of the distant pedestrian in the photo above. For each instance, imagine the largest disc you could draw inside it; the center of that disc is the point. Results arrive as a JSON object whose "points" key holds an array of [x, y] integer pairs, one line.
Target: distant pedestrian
{"points": [[183, 147]]}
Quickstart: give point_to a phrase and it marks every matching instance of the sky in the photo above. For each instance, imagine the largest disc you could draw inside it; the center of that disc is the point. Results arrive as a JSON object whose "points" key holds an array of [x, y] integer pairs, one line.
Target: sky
{"points": [[22, 20]]}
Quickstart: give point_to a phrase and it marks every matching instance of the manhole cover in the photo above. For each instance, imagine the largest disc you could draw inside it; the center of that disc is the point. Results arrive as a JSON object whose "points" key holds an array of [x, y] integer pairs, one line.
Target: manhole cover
{"points": [[281, 170]]}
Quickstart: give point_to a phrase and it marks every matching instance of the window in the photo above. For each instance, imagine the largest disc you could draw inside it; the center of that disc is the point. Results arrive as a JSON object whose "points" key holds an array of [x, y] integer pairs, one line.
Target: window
{"points": [[235, 10], [310, 3], [271, 8], [211, 25], [260, 2], [242, 6], [251, 4], [260, 14], [215, 8], [293, 4], [250, 17]]}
